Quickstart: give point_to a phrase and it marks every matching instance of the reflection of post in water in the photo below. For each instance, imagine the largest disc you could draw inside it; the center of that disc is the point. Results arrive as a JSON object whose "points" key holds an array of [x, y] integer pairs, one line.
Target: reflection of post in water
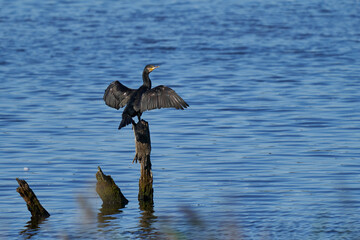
{"points": [[147, 230], [106, 215], [32, 227], [142, 153]]}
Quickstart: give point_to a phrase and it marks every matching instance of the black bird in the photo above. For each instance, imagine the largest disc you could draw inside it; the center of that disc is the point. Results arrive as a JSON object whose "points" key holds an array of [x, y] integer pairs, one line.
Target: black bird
{"points": [[142, 99]]}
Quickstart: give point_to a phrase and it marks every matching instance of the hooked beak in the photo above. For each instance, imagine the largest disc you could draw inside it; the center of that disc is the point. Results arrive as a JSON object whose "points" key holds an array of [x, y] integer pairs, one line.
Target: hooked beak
{"points": [[153, 68]]}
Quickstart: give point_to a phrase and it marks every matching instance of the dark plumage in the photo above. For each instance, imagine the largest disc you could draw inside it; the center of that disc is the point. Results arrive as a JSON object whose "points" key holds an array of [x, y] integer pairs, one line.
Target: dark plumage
{"points": [[142, 99]]}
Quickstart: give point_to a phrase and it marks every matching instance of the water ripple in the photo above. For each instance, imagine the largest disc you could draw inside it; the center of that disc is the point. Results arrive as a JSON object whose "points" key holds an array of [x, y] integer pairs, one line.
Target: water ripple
{"points": [[270, 138]]}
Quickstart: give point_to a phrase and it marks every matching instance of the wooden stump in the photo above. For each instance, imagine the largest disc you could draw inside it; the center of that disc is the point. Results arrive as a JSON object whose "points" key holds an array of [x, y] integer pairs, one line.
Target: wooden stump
{"points": [[142, 154], [108, 191], [36, 209]]}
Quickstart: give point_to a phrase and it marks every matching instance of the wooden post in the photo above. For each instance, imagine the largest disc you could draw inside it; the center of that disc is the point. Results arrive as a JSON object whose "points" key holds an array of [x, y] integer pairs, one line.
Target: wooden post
{"points": [[142, 153], [108, 191], [36, 209]]}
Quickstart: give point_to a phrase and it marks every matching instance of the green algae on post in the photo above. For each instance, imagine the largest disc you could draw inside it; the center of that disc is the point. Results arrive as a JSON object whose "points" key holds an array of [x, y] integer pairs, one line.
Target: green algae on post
{"points": [[108, 191]]}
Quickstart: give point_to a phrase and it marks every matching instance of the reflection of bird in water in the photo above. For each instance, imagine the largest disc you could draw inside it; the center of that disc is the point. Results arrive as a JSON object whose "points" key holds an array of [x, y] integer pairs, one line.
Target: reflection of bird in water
{"points": [[144, 98]]}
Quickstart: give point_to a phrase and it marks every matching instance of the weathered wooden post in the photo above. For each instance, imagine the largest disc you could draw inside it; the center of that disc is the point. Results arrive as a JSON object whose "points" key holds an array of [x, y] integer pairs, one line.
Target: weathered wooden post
{"points": [[109, 192], [33, 204], [142, 153]]}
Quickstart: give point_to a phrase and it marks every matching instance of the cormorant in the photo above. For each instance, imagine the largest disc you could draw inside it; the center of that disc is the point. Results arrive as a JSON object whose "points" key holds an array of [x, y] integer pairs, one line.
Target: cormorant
{"points": [[144, 98]]}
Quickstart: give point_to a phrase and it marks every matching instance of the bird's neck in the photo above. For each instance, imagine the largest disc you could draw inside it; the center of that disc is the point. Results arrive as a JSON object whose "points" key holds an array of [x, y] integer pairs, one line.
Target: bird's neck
{"points": [[146, 80]]}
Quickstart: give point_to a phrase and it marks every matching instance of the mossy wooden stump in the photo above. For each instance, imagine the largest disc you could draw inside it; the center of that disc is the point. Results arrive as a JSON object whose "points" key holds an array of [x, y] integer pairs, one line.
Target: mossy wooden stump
{"points": [[142, 154], [33, 204], [108, 191]]}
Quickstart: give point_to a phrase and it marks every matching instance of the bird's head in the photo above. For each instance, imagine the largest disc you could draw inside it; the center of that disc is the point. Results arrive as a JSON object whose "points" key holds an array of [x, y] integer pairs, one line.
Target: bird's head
{"points": [[149, 68]]}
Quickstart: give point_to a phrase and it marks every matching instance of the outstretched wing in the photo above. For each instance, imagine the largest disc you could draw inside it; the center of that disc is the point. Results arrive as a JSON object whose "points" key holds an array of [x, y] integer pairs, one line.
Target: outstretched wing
{"points": [[161, 97], [117, 95]]}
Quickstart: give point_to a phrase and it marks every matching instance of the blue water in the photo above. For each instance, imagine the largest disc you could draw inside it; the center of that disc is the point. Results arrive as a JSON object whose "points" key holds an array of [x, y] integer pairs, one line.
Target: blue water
{"points": [[269, 148]]}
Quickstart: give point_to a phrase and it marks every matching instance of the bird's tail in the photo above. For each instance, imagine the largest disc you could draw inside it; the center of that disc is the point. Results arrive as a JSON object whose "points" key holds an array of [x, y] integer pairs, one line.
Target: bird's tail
{"points": [[126, 120]]}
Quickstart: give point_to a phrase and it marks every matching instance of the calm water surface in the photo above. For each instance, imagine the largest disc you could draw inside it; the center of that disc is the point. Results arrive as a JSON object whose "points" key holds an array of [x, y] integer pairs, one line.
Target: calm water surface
{"points": [[269, 148]]}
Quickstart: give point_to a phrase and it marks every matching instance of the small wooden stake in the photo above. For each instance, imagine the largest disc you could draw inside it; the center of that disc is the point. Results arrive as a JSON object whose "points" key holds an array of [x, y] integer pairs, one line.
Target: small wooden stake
{"points": [[36, 209], [108, 191], [142, 153]]}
